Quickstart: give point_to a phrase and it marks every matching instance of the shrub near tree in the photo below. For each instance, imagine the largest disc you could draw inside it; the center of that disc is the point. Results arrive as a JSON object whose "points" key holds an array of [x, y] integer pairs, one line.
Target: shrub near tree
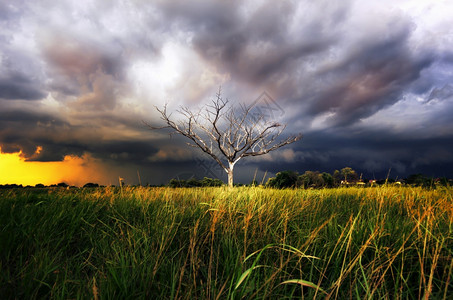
{"points": [[193, 182], [211, 182], [91, 185]]}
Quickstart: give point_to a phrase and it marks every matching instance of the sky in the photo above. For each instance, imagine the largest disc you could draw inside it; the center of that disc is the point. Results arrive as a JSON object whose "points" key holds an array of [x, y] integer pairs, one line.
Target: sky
{"points": [[367, 83]]}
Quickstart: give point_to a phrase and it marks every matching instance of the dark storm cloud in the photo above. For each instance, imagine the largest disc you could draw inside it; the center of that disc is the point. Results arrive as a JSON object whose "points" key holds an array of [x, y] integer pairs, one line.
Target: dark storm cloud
{"points": [[380, 76], [272, 47], [372, 77], [124, 151], [27, 130], [120, 152], [256, 47], [24, 131], [19, 87], [369, 82], [371, 153]]}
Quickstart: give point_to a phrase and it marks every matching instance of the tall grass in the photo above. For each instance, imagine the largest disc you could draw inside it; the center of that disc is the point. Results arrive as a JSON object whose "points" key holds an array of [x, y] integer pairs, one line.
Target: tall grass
{"points": [[221, 243]]}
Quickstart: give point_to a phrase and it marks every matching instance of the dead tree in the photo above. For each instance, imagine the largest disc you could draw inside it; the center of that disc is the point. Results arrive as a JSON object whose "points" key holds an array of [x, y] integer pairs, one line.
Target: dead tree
{"points": [[226, 134]]}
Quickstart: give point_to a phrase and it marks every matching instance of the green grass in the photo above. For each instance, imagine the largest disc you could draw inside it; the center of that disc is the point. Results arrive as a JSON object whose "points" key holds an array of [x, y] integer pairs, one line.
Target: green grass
{"points": [[221, 243]]}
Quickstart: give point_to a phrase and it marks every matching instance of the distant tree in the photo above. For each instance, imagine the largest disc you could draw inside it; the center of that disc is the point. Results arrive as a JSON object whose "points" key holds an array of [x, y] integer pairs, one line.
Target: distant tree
{"points": [[177, 183], [193, 182], [39, 185], [310, 179], [11, 186], [314, 179], [62, 184], [328, 179], [415, 179], [349, 174], [303, 181], [211, 182], [420, 180], [91, 185], [336, 178], [284, 179], [271, 182], [227, 134]]}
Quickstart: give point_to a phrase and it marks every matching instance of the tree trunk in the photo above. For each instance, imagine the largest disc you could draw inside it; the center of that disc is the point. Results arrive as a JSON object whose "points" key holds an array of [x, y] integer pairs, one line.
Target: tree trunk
{"points": [[230, 173], [230, 177]]}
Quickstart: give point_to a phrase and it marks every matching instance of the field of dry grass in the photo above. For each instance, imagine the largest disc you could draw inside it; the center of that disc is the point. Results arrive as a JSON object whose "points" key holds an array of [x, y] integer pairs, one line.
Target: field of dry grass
{"points": [[219, 243]]}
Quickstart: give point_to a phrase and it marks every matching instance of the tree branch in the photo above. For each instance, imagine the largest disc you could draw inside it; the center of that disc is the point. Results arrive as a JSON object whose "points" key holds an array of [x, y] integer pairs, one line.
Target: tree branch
{"points": [[234, 134]]}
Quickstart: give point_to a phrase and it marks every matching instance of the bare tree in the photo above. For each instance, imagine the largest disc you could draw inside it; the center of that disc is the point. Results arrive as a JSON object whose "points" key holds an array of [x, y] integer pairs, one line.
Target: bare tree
{"points": [[227, 134]]}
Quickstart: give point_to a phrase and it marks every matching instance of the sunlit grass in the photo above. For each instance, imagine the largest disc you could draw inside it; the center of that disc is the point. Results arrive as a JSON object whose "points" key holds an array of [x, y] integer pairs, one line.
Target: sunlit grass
{"points": [[218, 243]]}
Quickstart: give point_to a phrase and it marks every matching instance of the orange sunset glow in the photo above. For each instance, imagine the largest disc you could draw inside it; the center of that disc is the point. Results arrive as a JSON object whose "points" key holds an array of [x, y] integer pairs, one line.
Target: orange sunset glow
{"points": [[72, 170]]}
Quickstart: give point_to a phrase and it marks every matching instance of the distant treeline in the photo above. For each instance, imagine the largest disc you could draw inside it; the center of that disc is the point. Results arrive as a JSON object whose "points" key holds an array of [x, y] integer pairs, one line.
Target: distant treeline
{"points": [[193, 182], [347, 177], [40, 185], [315, 179], [290, 179]]}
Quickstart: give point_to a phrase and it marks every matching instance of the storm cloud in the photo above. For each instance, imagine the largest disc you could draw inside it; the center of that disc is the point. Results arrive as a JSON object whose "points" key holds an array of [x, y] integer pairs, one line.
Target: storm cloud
{"points": [[368, 84]]}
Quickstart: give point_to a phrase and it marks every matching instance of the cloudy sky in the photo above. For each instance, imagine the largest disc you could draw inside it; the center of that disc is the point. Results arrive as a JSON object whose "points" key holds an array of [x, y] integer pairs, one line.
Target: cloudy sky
{"points": [[367, 83]]}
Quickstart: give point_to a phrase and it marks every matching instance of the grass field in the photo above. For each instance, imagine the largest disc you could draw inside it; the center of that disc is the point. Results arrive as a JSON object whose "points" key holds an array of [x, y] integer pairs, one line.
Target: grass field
{"points": [[220, 243]]}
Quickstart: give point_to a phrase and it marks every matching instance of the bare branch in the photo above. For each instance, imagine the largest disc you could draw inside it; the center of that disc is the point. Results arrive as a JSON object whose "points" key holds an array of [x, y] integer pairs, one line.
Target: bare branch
{"points": [[235, 134]]}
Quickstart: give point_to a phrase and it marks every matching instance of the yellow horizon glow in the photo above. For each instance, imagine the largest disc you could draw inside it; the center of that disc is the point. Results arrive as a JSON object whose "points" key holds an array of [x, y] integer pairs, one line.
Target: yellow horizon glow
{"points": [[73, 170]]}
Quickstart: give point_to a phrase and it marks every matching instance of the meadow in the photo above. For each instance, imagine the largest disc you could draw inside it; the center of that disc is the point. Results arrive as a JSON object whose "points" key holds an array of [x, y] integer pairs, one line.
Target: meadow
{"points": [[385, 242]]}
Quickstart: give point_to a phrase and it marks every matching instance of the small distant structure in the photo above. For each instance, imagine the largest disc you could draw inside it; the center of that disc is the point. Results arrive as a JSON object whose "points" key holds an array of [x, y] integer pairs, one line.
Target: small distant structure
{"points": [[354, 182]]}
